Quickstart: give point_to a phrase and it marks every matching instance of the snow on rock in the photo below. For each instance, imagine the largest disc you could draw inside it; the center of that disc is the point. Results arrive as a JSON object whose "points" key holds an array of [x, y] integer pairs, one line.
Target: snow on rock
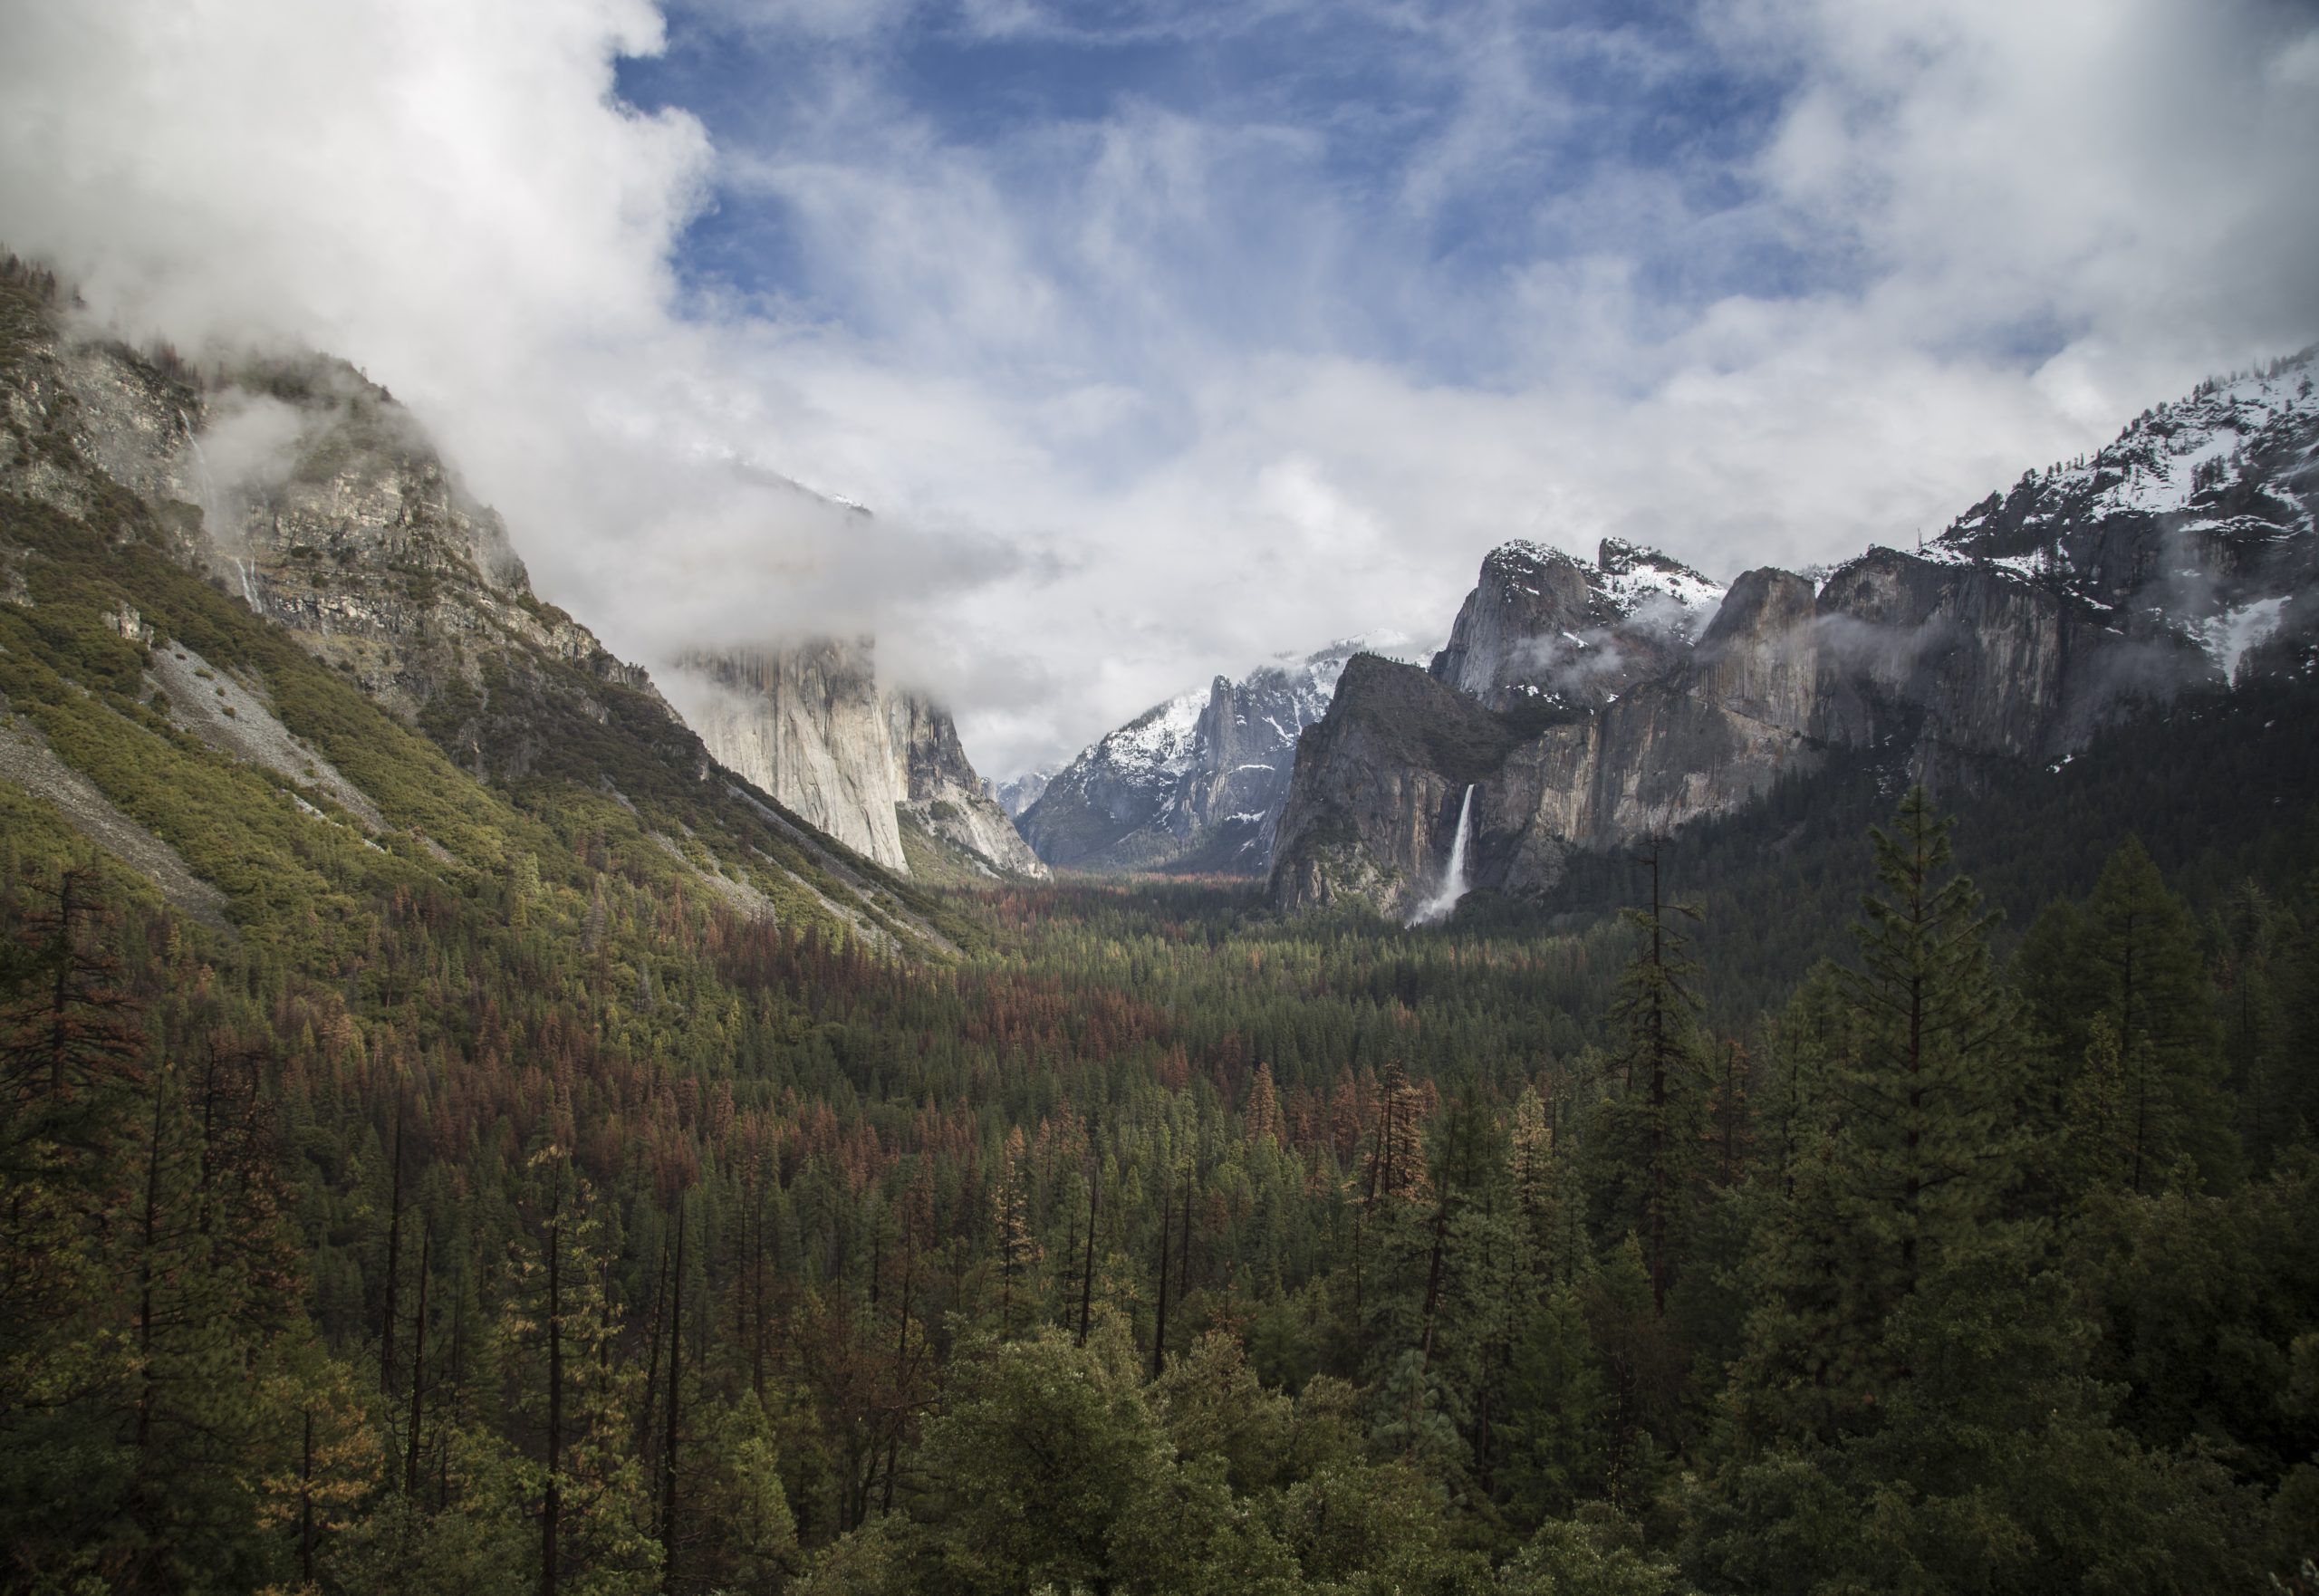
{"points": [[1195, 782], [2227, 637]]}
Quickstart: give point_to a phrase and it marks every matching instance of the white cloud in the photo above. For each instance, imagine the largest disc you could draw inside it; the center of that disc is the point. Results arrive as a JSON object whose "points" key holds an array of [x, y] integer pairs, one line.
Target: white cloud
{"points": [[2298, 63], [1161, 393]]}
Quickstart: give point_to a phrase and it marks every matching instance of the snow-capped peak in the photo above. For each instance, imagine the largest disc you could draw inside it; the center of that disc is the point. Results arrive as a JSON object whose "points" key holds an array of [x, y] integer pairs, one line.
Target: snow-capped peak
{"points": [[1632, 577], [1161, 737], [2182, 459]]}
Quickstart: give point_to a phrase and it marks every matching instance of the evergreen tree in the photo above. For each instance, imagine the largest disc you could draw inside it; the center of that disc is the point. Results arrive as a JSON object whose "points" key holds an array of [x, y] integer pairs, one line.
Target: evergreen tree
{"points": [[2151, 985], [1645, 1146]]}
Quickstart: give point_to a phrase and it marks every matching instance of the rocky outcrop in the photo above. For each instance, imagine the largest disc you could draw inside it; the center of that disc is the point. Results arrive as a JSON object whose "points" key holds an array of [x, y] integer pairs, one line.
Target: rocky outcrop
{"points": [[305, 488], [305, 494], [2183, 557], [810, 724], [946, 796], [1193, 785], [1380, 782]]}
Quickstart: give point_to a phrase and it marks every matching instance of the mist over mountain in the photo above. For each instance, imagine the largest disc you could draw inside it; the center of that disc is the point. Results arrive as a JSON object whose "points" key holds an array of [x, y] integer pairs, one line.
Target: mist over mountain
{"points": [[309, 495]]}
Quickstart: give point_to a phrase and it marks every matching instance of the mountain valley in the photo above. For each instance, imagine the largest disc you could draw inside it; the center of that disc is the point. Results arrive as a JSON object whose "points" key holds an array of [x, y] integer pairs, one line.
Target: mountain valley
{"points": [[471, 1123]]}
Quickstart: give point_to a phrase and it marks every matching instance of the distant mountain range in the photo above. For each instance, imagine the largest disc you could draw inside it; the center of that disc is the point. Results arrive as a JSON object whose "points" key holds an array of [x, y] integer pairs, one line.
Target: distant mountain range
{"points": [[1193, 785], [1587, 705]]}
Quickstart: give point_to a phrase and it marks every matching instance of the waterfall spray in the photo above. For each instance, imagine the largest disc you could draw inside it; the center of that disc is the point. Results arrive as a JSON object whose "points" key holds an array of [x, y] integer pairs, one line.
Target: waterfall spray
{"points": [[1454, 884], [212, 512]]}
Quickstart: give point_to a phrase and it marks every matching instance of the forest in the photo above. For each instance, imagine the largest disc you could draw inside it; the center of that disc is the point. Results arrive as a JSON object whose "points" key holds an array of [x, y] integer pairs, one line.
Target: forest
{"points": [[548, 1227]]}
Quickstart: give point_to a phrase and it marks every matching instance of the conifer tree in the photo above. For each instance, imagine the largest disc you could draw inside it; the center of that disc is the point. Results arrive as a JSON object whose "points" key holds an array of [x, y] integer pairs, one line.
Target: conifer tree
{"points": [[1646, 1147], [1015, 1242], [2152, 983], [1906, 1155]]}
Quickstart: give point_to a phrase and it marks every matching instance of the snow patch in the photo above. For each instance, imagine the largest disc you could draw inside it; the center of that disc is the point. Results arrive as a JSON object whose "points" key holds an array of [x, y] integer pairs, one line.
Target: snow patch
{"points": [[2227, 637]]}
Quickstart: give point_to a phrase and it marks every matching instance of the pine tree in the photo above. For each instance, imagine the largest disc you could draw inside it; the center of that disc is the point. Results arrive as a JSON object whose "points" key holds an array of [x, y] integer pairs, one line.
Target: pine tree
{"points": [[1015, 1243], [1646, 1143], [1927, 1096], [2250, 930], [1902, 1150], [2151, 984]]}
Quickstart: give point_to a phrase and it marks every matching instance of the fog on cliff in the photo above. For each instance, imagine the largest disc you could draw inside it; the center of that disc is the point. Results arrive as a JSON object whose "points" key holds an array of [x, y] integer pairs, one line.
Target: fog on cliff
{"points": [[1158, 339]]}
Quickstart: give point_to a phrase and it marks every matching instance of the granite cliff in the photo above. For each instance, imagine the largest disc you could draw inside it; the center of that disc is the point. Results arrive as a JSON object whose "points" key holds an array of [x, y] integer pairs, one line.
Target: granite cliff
{"points": [[307, 490], [878, 769], [1590, 705]]}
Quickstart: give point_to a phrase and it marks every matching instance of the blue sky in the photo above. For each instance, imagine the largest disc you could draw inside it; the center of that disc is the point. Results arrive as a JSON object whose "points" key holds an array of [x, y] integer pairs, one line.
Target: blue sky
{"points": [[1162, 339], [1367, 181]]}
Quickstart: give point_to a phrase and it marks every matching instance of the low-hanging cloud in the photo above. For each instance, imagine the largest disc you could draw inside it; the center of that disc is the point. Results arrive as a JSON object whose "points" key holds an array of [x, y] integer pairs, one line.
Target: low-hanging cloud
{"points": [[1152, 387]]}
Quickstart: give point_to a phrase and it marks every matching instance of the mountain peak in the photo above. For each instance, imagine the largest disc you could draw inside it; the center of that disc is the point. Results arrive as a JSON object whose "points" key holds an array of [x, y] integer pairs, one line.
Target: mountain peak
{"points": [[1543, 626]]}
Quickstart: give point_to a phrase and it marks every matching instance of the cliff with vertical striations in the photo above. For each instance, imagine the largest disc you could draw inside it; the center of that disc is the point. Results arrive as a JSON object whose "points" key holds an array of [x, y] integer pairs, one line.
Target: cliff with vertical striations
{"points": [[810, 724]]}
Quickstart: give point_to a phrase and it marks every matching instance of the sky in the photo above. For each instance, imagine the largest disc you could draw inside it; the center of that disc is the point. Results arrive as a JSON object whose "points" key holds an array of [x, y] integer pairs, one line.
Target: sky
{"points": [[1161, 339]]}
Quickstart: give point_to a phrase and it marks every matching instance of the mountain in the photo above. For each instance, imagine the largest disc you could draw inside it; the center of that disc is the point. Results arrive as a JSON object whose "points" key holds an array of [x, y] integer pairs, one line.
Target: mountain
{"points": [[1193, 785], [1588, 705], [1541, 626], [248, 581], [1018, 793], [881, 771]]}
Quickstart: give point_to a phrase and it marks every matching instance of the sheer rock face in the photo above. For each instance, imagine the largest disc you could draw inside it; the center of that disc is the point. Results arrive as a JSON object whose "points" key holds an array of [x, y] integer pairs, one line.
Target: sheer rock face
{"points": [[807, 724], [810, 724], [2183, 556], [1542, 627], [1379, 783], [1196, 783]]}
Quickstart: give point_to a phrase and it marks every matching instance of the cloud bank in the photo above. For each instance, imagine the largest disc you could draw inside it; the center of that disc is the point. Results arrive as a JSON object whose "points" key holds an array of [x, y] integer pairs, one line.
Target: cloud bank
{"points": [[1163, 338]]}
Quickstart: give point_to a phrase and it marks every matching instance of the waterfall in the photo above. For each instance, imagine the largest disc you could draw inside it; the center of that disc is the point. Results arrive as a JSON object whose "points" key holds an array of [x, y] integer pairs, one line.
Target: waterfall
{"points": [[200, 460], [212, 512], [1454, 884]]}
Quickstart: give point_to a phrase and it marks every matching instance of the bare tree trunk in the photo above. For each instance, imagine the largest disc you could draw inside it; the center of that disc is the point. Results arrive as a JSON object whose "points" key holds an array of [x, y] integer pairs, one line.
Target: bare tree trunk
{"points": [[306, 1507], [1087, 1283], [676, 1373], [757, 1342], [458, 1391], [418, 1367], [653, 1357], [901, 1374], [1433, 1269], [394, 1260], [1160, 1333], [149, 1232], [1184, 1255], [552, 1503]]}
